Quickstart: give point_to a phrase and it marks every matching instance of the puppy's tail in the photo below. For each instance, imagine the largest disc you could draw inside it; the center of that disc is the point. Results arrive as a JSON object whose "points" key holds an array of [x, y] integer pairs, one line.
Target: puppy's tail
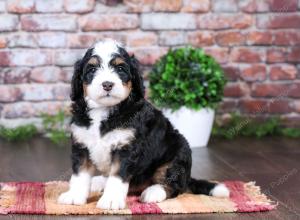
{"points": [[208, 188]]}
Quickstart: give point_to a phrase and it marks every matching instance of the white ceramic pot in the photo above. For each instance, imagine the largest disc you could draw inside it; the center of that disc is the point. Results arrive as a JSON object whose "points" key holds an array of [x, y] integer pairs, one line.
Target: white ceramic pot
{"points": [[194, 125]]}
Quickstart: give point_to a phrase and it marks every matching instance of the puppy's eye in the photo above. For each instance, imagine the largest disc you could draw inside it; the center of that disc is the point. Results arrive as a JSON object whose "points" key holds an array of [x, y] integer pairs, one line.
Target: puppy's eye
{"points": [[120, 68], [92, 70]]}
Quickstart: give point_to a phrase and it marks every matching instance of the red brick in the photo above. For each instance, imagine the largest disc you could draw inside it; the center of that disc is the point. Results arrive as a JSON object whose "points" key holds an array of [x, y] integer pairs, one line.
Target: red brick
{"points": [[29, 109], [252, 6], [81, 40], [67, 57], [139, 5], [22, 57], [235, 90], [285, 38], [3, 42], [283, 6], [61, 91], [254, 106], [22, 40], [45, 74], [79, 6], [167, 5], [196, 6], [51, 40], [255, 72], [294, 90], [17, 75], [9, 93], [278, 21], [227, 106], [225, 5], [283, 72], [148, 56], [168, 21], [4, 58], [231, 38], [224, 21], [232, 73], [294, 55], [200, 38], [41, 92], [66, 74], [220, 54], [276, 55], [271, 90], [109, 22], [247, 55], [44, 22], [259, 38], [279, 106], [116, 35], [140, 39], [8, 22], [172, 38], [49, 6], [20, 6]]}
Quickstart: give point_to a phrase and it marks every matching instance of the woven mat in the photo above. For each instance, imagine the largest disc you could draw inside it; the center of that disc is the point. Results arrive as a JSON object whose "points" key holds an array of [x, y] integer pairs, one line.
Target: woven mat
{"points": [[40, 198]]}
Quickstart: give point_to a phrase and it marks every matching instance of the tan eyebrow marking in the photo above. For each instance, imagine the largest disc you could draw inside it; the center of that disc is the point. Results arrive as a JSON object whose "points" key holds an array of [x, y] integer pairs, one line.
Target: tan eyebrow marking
{"points": [[94, 61], [118, 61]]}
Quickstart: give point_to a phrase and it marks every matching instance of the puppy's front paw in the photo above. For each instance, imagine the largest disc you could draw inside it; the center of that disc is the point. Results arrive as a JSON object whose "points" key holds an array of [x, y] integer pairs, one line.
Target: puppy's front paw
{"points": [[111, 202], [72, 198]]}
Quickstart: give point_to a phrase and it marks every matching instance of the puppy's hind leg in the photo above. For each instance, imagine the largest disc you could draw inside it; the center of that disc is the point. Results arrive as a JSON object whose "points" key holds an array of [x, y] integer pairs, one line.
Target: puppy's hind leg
{"points": [[160, 190], [154, 193]]}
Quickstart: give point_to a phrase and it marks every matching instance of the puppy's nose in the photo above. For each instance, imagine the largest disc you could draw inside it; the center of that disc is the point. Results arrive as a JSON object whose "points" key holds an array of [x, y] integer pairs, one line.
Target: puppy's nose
{"points": [[107, 86]]}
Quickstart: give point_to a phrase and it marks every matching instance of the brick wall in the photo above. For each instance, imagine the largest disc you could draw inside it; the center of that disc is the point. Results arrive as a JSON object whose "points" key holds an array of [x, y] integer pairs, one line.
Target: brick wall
{"points": [[256, 41]]}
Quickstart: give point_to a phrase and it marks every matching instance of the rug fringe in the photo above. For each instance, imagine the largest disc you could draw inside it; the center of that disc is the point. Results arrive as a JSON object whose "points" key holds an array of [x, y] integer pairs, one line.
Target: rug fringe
{"points": [[259, 198]]}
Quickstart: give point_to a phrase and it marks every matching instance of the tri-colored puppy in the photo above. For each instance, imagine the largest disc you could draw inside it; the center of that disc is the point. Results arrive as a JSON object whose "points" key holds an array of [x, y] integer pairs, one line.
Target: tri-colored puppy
{"points": [[120, 134]]}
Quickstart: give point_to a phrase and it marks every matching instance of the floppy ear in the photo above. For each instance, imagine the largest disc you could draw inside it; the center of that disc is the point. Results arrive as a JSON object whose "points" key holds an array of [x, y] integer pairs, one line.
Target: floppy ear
{"points": [[77, 79], [137, 78], [76, 83]]}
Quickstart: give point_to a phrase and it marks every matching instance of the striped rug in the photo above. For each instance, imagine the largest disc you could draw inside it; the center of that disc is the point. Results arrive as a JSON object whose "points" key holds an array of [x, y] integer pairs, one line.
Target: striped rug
{"points": [[40, 198]]}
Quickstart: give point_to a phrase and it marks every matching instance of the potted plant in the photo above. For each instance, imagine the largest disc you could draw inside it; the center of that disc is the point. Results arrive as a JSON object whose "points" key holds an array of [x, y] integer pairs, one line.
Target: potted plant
{"points": [[187, 85]]}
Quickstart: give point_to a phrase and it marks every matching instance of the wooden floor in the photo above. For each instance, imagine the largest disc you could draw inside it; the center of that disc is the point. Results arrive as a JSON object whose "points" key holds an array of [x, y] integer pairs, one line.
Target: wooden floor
{"points": [[273, 163]]}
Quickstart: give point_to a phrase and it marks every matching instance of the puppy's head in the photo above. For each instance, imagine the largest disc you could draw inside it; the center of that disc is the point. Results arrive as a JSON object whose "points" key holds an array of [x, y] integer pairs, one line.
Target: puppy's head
{"points": [[106, 75]]}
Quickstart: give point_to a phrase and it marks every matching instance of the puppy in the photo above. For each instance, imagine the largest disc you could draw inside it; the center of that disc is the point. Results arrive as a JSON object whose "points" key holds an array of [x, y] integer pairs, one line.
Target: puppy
{"points": [[120, 134]]}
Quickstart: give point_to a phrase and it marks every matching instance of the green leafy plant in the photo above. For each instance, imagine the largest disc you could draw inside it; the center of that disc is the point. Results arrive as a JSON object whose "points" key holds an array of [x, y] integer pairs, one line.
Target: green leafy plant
{"points": [[186, 77], [242, 126], [54, 126], [20, 133]]}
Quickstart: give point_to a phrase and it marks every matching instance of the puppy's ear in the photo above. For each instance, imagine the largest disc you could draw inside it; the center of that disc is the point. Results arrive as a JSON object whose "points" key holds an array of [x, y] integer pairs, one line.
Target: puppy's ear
{"points": [[77, 79], [76, 83], [137, 78]]}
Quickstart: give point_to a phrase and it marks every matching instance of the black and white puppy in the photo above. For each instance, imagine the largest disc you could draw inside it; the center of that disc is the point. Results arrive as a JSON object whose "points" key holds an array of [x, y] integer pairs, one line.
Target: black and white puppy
{"points": [[117, 132]]}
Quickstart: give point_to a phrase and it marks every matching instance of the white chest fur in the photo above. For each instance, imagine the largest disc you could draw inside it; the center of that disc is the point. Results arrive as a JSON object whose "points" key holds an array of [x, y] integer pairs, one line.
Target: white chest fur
{"points": [[101, 146]]}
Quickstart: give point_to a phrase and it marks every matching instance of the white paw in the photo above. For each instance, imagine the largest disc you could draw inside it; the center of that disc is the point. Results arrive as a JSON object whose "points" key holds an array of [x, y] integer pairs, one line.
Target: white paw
{"points": [[154, 193], [72, 198], [111, 202], [220, 190], [98, 183]]}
